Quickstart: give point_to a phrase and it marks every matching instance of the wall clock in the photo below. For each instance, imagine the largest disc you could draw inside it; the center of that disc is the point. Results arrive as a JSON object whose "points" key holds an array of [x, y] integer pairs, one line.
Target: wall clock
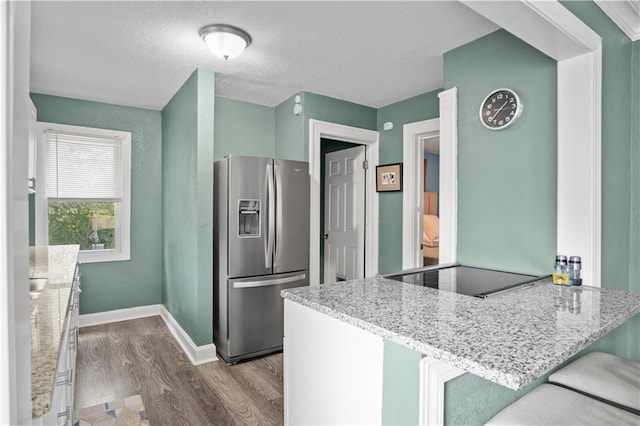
{"points": [[500, 109]]}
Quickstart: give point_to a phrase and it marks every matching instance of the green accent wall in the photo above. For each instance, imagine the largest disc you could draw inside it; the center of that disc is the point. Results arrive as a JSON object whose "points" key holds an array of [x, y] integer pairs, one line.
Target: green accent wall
{"points": [[290, 131], [507, 183], [471, 400], [325, 108], [417, 108], [243, 128], [136, 282], [187, 206], [401, 385]]}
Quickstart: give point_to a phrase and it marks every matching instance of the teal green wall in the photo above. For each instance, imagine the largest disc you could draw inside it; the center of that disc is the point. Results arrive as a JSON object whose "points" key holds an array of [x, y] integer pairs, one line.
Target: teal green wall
{"points": [[324, 108], [187, 206], [471, 400], [507, 183], [243, 128], [136, 282], [418, 108], [401, 385], [290, 131], [433, 172]]}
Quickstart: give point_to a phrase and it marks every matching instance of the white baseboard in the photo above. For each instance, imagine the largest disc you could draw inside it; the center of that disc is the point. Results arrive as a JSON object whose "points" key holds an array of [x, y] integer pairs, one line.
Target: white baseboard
{"points": [[197, 354], [88, 320]]}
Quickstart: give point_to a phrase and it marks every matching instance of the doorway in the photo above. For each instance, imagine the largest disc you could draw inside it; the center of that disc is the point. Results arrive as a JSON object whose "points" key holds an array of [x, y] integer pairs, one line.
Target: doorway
{"points": [[430, 184], [369, 138], [413, 200], [343, 206]]}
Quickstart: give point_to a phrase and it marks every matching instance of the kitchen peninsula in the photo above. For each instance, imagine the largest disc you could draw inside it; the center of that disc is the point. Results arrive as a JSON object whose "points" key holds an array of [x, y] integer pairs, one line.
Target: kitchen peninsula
{"points": [[513, 338]]}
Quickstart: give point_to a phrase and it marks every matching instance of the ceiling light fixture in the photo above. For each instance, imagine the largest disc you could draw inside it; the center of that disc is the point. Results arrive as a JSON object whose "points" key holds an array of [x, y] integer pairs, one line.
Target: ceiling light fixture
{"points": [[225, 41]]}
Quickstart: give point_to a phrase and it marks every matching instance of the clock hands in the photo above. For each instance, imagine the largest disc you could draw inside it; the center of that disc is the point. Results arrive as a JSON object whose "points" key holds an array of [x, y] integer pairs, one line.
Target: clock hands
{"points": [[498, 111]]}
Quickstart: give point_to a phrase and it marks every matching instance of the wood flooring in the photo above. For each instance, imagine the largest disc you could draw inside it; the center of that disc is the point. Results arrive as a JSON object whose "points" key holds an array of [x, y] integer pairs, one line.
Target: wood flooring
{"points": [[141, 357]]}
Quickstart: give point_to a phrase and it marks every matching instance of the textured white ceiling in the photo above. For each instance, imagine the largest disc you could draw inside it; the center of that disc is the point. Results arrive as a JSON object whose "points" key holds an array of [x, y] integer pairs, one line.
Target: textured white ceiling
{"points": [[139, 53]]}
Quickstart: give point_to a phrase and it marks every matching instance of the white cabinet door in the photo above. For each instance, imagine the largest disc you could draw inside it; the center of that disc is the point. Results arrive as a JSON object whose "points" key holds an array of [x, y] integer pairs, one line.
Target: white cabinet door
{"points": [[332, 370]]}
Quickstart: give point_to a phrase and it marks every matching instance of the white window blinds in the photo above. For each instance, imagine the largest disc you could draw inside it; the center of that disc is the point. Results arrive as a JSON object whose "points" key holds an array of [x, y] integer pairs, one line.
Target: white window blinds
{"points": [[83, 167]]}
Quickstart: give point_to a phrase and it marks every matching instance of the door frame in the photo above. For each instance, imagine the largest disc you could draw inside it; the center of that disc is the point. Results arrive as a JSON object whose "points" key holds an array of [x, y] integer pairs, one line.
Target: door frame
{"points": [[323, 129], [447, 127], [412, 159]]}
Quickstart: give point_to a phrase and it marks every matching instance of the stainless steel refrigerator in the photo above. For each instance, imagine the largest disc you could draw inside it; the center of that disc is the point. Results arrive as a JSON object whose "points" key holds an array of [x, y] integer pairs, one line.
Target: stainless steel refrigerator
{"points": [[261, 246]]}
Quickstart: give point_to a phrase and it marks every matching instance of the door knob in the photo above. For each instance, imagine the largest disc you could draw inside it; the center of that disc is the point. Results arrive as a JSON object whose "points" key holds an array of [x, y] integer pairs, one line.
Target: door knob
{"points": [[325, 236]]}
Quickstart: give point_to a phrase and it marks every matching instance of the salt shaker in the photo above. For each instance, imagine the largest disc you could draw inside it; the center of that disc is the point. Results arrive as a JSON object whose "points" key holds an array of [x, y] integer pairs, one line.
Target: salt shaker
{"points": [[575, 270]]}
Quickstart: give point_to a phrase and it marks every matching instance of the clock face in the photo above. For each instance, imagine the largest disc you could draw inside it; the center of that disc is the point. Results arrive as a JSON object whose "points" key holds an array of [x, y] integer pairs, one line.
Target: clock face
{"points": [[500, 109]]}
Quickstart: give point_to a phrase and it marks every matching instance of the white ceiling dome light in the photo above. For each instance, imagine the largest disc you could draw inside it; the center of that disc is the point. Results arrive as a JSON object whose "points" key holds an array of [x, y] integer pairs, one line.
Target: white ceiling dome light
{"points": [[225, 41]]}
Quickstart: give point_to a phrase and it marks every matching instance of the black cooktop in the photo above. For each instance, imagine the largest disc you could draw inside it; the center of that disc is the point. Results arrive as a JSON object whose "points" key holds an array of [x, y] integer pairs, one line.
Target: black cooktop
{"points": [[466, 280]]}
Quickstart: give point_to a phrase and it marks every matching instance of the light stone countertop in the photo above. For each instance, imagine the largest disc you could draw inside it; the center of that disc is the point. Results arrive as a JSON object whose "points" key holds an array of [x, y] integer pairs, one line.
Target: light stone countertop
{"points": [[48, 313], [510, 338]]}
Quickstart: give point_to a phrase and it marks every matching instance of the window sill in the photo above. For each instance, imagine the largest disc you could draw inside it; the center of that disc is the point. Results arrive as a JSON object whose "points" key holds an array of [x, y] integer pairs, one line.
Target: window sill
{"points": [[97, 256]]}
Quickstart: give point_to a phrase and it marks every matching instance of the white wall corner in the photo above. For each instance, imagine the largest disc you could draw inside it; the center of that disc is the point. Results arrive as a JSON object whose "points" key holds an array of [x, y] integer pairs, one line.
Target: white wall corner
{"points": [[625, 14], [197, 354]]}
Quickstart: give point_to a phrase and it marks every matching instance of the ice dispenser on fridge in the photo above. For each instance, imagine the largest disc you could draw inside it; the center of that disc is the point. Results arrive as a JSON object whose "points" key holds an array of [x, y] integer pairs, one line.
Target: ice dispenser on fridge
{"points": [[248, 218]]}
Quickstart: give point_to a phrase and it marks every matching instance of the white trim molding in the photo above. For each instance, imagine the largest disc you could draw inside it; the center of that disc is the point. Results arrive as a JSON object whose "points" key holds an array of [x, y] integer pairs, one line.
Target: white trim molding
{"points": [[412, 193], [196, 354], [98, 318], [552, 29], [433, 375], [625, 14], [122, 251], [448, 199], [369, 138]]}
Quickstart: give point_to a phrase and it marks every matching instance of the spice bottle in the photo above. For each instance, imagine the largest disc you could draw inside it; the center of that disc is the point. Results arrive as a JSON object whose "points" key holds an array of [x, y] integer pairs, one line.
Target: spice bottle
{"points": [[575, 270], [560, 271]]}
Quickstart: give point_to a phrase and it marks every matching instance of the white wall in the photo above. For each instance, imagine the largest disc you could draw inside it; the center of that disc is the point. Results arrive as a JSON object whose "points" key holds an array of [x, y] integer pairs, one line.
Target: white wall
{"points": [[15, 344]]}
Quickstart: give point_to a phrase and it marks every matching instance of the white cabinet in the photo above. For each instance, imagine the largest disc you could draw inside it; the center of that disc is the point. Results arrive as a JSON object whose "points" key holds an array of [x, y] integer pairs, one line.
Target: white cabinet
{"points": [[64, 390], [33, 137], [332, 370]]}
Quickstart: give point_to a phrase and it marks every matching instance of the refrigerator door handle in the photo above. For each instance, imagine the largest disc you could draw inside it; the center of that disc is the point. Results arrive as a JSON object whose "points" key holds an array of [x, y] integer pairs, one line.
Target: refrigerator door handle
{"points": [[265, 283], [268, 253], [279, 225]]}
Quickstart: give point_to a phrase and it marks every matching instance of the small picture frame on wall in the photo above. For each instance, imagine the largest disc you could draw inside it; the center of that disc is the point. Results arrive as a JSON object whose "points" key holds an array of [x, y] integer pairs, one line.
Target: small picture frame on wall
{"points": [[389, 178]]}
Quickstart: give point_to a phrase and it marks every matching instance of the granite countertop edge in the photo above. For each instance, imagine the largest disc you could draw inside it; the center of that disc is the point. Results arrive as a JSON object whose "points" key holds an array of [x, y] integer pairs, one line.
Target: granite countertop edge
{"points": [[48, 317], [515, 380]]}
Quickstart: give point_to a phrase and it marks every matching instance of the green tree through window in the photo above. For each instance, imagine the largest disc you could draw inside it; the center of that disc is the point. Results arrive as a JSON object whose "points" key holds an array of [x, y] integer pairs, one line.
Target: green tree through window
{"points": [[73, 223]]}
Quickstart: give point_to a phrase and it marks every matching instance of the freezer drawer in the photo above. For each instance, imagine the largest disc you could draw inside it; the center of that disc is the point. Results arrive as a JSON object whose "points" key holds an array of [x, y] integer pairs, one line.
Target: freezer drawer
{"points": [[256, 313]]}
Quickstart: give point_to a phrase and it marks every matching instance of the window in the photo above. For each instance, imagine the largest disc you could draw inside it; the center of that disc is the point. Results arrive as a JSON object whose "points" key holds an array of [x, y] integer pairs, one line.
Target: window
{"points": [[85, 198]]}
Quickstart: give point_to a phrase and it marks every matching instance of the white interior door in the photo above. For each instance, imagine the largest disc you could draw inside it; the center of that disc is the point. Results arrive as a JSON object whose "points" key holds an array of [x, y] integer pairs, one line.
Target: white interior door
{"points": [[344, 214]]}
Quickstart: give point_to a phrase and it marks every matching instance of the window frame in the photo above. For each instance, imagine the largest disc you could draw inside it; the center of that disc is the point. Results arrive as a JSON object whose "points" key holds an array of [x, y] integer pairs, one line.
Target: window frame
{"points": [[122, 251]]}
